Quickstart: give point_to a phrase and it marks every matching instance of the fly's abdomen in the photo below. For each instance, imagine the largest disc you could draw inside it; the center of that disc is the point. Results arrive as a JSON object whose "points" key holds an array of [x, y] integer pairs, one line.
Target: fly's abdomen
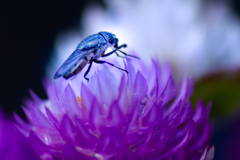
{"points": [[76, 69]]}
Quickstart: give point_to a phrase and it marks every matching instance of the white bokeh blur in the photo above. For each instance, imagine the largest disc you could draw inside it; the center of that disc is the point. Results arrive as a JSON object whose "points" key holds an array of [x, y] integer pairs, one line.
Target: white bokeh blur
{"points": [[194, 37]]}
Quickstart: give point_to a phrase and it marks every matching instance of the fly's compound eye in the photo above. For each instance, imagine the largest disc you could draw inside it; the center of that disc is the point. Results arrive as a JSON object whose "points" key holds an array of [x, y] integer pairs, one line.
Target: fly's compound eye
{"points": [[112, 40]]}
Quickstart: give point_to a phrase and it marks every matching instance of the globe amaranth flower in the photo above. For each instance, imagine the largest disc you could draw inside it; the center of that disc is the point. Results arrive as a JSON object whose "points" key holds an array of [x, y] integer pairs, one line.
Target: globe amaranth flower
{"points": [[140, 116], [13, 145]]}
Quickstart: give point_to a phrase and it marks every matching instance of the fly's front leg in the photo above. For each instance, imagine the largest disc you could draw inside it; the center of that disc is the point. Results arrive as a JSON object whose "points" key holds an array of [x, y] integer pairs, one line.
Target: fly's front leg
{"points": [[89, 67], [119, 55], [108, 54], [122, 46], [128, 54], [101, 62], [117, 48]]}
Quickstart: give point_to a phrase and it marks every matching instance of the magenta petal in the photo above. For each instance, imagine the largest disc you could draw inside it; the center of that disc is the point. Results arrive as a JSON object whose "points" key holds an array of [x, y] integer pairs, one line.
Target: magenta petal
{"points": [[199, 111], [96, 119], [185, 133], [186, 112], [103, 88], [156, 67], [162, 135], [36, 142], [69, 152], [83, 132], [131, 74], [140, 87], [115, 117], [51, 117], [154, 116], [67, 130], [25, 126], [185, 89], [39, 119], [54, 97], [182, 142], [210, 153], [190, 86], [202, 138], [178, 103], [87, 97], [133, 116], [27, 113], [35, 98], [200, 114], [123, 99], [164, 75], [148, 106], [169, 91], [41, 148], [111, 144], [69, 101]]}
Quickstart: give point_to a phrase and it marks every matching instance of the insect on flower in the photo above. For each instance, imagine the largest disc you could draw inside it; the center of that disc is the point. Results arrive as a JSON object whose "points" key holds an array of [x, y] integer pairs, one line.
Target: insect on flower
{"points": [[88, 51]]}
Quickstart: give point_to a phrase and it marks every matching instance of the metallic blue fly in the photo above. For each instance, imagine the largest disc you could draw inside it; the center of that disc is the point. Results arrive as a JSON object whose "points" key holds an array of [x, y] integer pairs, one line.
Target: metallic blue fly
{"points": [[88, 51]]}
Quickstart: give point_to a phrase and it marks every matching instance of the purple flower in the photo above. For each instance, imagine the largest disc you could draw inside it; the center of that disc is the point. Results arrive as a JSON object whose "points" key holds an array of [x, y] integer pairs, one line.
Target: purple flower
{"points": [[13, 145], [140, 116]]}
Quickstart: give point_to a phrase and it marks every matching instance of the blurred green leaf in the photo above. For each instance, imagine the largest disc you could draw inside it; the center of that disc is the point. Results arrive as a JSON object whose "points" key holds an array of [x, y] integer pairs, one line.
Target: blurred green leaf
{"points": [[223, 89]]}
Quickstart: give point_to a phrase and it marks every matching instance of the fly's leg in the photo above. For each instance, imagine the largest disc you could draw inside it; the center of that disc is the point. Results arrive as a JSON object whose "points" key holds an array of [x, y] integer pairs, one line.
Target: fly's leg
{"points": [[128, 54], [89, 67], [118, 49], [119, 55], [108, 54], [124, 45], [101, 62]]}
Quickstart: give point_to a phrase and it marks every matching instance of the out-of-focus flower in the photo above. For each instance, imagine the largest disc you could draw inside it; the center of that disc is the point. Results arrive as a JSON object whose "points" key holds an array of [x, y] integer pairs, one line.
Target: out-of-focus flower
{"points": [[13, 145], [138, 116], [194, 36]]}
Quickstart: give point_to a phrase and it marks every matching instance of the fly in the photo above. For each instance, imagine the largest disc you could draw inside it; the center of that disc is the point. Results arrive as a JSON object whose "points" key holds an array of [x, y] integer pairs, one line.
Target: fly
{"points": [[88, 51]]}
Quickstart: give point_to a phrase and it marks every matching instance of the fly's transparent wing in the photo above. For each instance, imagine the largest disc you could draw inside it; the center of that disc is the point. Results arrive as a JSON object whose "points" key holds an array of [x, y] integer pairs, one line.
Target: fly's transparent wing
{"points": [[72, 60]]}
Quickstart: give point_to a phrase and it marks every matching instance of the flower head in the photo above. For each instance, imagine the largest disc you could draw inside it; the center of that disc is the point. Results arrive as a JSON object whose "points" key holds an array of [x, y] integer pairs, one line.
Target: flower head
{"points": [[140, 116]]}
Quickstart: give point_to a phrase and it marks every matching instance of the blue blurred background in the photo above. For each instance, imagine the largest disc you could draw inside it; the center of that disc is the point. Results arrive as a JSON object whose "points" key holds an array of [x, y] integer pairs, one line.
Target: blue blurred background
{"points": [[200, 38]]}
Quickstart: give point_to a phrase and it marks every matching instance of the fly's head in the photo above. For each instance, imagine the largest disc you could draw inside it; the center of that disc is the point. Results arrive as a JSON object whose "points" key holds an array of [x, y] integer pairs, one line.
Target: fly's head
{"points": [[111, 38]]}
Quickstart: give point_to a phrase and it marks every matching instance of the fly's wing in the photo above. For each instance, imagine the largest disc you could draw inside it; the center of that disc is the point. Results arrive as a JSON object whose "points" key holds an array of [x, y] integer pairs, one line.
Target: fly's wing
{"points": [[72, 60]]}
